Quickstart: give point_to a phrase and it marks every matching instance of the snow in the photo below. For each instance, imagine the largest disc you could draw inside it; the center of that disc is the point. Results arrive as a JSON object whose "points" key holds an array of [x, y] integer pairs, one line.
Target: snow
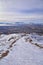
{"points": [[22, 52]]}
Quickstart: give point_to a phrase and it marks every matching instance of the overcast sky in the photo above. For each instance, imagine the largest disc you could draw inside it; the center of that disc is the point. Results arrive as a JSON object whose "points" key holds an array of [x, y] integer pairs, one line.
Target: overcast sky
{"points": [[18, 10]]}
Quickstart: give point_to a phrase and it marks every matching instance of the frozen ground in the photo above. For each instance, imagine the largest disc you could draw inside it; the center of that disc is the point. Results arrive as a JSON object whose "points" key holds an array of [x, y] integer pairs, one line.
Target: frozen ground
{"points": [[21, 49]]}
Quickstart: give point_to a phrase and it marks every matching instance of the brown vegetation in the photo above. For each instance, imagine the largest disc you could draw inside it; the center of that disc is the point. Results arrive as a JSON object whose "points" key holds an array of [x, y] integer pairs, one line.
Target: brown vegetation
{"points": [[30, 40], [4, 54]]}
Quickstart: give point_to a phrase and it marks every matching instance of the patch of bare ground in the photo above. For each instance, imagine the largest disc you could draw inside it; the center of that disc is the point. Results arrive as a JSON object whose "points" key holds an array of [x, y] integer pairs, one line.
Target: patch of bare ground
{"points": [[36, 44], [4, 54], [11, 38], [11, 45], [28, 39]]}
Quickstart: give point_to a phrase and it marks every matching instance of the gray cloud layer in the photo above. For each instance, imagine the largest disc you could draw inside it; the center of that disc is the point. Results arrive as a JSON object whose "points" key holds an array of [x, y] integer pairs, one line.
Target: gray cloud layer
{"points": [[17, 9], [22, 5]]}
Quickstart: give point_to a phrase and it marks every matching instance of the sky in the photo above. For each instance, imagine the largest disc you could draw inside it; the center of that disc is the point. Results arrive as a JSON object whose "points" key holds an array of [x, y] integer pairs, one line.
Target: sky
{"points": [[21, 10]]}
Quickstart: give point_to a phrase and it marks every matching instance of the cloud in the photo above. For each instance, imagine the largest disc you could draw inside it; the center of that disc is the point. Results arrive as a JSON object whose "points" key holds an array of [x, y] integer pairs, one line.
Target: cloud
{"points": [[12, 5], [15, 10], [17, 16]]}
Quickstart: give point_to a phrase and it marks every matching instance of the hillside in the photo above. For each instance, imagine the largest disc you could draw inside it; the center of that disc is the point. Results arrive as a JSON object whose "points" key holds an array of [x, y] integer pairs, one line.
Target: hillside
{"points": [[22, 28], [21, 49]]}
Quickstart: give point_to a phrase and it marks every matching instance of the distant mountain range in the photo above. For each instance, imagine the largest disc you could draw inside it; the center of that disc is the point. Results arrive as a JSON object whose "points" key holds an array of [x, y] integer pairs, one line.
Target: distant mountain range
{"points": [[11, 23], [19, 27], [17, 23]]}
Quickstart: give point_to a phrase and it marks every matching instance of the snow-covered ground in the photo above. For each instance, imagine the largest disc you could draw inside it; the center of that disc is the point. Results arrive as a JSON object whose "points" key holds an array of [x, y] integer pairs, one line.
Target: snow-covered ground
{"points": [[21, 49]]}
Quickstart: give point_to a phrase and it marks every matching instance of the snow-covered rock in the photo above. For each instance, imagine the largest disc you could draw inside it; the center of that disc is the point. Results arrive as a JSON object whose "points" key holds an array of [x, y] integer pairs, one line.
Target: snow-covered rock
{"points": [[21, 49]]}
